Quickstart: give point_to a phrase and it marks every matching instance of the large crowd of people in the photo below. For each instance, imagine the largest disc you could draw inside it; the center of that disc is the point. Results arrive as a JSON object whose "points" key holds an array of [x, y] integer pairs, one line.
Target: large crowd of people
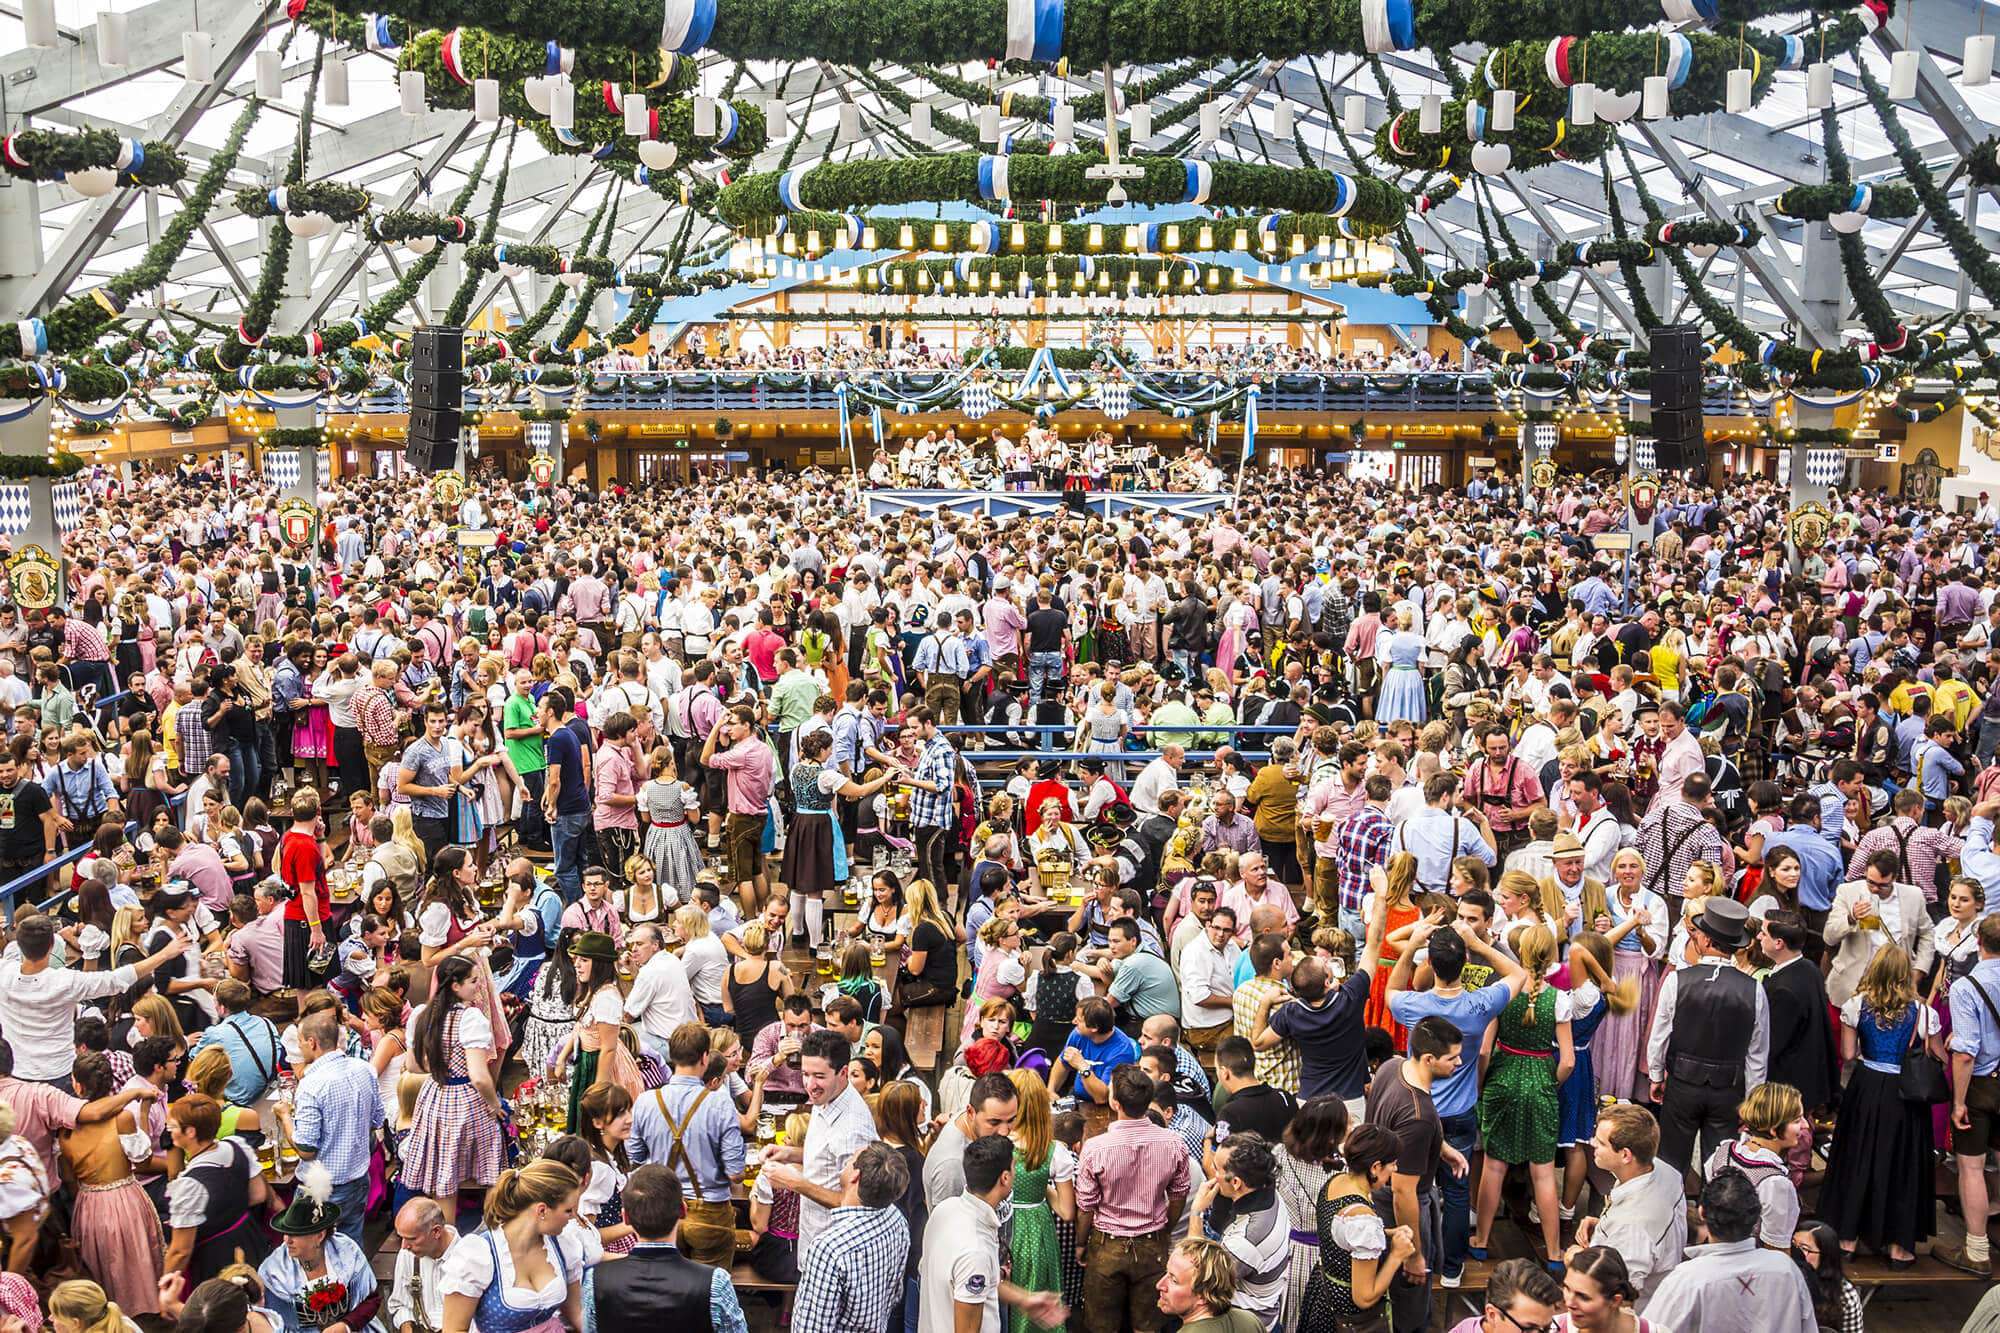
{"points": [[723, 904]]}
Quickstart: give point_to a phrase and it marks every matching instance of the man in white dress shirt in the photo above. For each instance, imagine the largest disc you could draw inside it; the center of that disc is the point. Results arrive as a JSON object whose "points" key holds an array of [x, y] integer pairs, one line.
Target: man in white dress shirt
{"points": [[1645, 1218], [1731, 1284], [841, 1126], [415, 1303], [661, 998]]}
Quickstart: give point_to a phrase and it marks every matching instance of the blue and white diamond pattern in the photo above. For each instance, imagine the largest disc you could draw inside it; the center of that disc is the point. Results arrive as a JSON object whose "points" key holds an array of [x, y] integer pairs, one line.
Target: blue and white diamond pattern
{"points": [[14, 507], [281, 468], [1645, 458], [1825, 466], [977, 398], [1114, 397]]}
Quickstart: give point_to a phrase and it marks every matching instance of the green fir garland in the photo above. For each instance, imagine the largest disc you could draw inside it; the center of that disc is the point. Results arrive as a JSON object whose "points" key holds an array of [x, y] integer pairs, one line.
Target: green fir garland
{"points": [[49, 155]]}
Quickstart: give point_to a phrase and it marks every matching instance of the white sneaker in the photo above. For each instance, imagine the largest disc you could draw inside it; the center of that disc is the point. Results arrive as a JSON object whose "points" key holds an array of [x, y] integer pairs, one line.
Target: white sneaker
{"points": [[1451, 1281]]}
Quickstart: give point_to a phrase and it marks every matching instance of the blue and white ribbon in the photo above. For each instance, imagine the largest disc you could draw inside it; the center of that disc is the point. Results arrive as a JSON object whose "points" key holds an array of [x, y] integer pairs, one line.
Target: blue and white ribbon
{"points": [[852, 225], [1679, 59], [1034, 30], [993, 178], [279, 200], [1795, 52], [1475, 122], [1344, 194], [557, 59], [788, 189], [1846, 398], [1250, 423], [34, 337], [725, 124], [1689, 11], [985, 238], [131, 155], [375, 33], [1862, 199], [685, 25], [1388, 25], [1149, 238], [1200, 180], [106, 410]]}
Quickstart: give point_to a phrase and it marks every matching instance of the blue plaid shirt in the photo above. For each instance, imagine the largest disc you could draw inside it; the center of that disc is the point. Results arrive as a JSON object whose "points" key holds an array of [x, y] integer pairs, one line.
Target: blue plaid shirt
{"points": [[939, 765], [338, 1107], [851, 1275], [1360, 844], [725, 1312]]}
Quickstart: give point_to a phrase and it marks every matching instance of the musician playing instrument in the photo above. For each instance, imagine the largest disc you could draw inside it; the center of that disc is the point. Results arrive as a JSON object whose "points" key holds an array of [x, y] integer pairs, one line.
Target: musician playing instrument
{"points": [[415, 1304]]}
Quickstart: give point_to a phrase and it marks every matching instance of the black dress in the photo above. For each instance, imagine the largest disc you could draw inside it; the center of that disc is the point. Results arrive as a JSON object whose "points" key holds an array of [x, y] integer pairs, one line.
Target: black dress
{"points": [[1055, 1013], [1329, 1304], [1881, 1182], [754, 1003]]}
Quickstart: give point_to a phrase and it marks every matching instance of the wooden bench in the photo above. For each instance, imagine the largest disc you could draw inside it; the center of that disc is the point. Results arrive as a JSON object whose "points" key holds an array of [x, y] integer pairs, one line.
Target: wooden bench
{"points": [[924, 1035], [746, 1279], [1871, 1274]]}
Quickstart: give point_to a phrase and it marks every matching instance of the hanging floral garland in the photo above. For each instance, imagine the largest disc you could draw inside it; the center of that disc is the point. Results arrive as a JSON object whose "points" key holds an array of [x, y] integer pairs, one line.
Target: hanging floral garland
{"points": [[94, 162], [812, 233], [1465, 138], [336, 201]]}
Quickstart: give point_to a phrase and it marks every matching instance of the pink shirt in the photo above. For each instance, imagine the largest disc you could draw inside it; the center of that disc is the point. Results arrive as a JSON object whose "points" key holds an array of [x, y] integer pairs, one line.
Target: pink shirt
{"points": [[39, 1111], [1004, 623], [761, 646], [1681, 757], [615, 776], [748, 769], [1125, 1175], [1240, 901]]}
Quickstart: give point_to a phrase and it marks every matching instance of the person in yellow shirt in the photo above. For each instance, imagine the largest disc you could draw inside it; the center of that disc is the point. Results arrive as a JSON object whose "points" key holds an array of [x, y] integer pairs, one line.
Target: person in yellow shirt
{"points": [[1905, 694], [1953, 697]]}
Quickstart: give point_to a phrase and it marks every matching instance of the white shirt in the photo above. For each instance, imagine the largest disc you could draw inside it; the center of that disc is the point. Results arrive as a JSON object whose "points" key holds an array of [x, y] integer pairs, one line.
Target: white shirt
{"points": [[837, 1130], [1663, 1029], [661, 998], [1153, 779], [41, 1013], [418, 1277], [1205, 972], [960, 1264], [1645, 1220], [1734, 1287]]}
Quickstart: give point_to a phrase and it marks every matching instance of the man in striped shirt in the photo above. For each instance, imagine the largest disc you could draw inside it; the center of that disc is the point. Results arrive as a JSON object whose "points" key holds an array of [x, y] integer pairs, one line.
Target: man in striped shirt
{"points": [[851, 1276]]}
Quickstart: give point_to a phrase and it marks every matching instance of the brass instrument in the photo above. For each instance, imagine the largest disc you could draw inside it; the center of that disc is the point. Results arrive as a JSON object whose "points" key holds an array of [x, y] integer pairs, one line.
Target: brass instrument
{"points": [[418, 1319]]}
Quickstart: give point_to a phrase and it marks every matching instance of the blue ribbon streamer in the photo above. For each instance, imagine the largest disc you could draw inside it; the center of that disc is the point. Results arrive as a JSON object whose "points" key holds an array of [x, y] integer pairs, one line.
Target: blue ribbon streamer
{"points": [[1049, 29]]}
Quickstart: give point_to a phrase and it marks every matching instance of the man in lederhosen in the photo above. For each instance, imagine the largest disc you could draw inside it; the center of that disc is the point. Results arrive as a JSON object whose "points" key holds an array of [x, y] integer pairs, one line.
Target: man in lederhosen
{"points": [[1711, 1037]]}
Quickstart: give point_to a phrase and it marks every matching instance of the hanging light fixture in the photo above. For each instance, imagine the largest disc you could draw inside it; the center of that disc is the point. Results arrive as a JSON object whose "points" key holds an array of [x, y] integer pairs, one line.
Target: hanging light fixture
{"points": [[562, 102], [1501, 118], [989, 123], [637, 121], [1430, 114], [114, 49], [1903, 76], [535, 90], [1063, 130], [38, 24], [198, 57], [1977, 69], [920, 120], [1354, 114], [1736, 96], [1583, 103], [1141, 118], [1211, 121], [850, 122], [333, 83], [1653, 98], [410, 88], [270, 75], [1282, 117], [704, 117]]}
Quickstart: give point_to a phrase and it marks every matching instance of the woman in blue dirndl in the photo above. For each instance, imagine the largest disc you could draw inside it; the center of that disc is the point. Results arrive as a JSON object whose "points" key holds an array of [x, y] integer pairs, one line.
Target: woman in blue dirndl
{"points": [[518, 1275]]}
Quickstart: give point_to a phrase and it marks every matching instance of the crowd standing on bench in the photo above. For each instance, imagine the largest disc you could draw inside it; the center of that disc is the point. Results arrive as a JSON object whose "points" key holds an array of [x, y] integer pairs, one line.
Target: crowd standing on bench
{"points": [[706, 901]]}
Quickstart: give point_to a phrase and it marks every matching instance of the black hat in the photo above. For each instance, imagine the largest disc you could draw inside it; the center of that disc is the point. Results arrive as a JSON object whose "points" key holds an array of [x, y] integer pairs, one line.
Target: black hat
{"points": [[1725, 921]]}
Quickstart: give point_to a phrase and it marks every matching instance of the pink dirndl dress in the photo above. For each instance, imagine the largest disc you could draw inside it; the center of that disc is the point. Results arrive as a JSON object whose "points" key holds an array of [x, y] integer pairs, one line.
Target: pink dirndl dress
{"points": [[312, 731], [454, 1140]]}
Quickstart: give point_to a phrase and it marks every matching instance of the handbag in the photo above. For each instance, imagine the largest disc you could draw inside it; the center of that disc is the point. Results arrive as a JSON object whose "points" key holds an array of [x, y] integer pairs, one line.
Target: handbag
{"points": [[1923, 1078]]}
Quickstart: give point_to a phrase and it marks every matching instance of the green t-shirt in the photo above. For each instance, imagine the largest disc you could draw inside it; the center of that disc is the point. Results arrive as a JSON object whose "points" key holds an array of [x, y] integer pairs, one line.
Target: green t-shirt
{"points": [[526, 752]]}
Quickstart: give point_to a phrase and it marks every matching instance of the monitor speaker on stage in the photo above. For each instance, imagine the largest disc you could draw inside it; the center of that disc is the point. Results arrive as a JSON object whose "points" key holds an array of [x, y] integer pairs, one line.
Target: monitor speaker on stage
{"points": [[437, 395], [1675, 372]]}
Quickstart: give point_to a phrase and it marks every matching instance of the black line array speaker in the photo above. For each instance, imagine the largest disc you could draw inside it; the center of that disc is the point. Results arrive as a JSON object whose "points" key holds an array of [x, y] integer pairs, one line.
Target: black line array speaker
{"points": [[437, 395], [1680, 442]]}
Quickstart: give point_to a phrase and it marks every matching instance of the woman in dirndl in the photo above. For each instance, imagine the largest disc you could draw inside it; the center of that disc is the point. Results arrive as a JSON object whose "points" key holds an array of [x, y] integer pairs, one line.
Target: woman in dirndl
{"points": [[476, 809], [606, 1120], [450, 924], [1638, 936], [521, 1274], [668, 805], [455, 1137], [1308, 1157], [594, 1052], [810, 853]]}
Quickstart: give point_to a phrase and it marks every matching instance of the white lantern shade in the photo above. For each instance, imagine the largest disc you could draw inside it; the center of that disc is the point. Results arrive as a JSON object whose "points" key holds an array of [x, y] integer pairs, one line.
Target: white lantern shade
{"points": [[1583, 103], [850, 122], [658, 154], [333, 82], [1903, 75], [637, 122], [1354, 114], [536, 89], [920, 121], [562, 102], [1977, 71], [1653, 98], [1736, 94], [270, 75], [1140, 117], [776, 118], [1615, 107], [486, 100], [420, 245], [1501, 118], [114, 47], [92, 182], [1819, 85], [1430, 114], [197, 57], [704, 117], [1211, 121], [38, 23], [1063, 130], [989, 123], [1490, 159], [1847, 223], [410, 87], [1282, 118]]}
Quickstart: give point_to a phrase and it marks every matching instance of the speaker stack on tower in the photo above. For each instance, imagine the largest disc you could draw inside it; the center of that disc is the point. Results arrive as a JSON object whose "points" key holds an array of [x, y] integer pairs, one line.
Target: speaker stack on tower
{"points": [[437, 389], [1679, 441]]}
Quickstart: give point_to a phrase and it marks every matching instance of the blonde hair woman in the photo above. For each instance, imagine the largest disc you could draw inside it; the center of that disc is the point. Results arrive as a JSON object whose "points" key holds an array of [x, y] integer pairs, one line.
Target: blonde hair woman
{"points": [[208, 1073], [1519, 1113], [1044, 1189], [1774, 1121], [1879, 1186], [928, 977], [540, 1277], [1396, 885], [406, 835], [82, 1307], [707, 962]]}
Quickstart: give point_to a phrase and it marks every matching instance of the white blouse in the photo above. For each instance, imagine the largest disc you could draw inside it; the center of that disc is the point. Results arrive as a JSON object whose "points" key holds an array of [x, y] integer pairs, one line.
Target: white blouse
{"points": [[468, 1270]]}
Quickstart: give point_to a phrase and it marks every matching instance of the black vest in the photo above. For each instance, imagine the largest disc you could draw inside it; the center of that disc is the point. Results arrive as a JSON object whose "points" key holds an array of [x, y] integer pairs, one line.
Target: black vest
{"points": [[1715, 1012], [651, 1288]]}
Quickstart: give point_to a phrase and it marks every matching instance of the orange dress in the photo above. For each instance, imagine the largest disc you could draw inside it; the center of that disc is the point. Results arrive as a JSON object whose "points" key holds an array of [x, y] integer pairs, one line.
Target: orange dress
{"points": [[1377, 1014]]}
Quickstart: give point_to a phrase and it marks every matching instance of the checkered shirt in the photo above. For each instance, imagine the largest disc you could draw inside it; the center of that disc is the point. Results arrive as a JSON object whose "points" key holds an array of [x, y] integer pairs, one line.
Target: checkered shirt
{"points": [[1360, 844], [851, 1275], [938, 764]]}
